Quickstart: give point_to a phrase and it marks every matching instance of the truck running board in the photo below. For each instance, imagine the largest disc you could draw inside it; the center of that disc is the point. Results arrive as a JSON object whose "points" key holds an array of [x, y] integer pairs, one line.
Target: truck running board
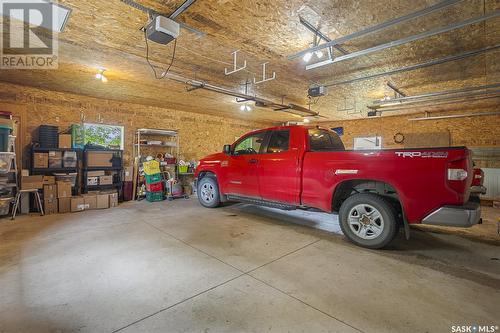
{"points": [[260, 202]]}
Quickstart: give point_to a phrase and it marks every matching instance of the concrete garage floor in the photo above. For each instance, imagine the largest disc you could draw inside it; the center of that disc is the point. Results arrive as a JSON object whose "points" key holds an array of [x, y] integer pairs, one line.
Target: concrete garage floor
{"points": [[177, 267]]}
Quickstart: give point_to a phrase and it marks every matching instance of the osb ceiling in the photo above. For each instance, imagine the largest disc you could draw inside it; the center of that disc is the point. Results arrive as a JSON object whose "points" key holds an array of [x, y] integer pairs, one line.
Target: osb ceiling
{"points": [[105, 34]]}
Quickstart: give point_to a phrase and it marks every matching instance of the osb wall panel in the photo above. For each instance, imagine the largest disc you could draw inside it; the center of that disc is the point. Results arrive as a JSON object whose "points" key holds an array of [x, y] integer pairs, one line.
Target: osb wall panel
{"points": [[199, 134], [473, 132]]}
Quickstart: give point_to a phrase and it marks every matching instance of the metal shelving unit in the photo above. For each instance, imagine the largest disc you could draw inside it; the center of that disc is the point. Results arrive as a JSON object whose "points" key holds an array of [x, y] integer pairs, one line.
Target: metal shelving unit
{"points": [[50, 171], [170, 145], [10, 181], [117, 171]]}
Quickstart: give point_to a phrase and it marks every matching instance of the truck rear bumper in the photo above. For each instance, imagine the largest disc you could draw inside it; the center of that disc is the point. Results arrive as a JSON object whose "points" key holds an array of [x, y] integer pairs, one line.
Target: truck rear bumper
{"points": [[478, 190], [455, 216]]}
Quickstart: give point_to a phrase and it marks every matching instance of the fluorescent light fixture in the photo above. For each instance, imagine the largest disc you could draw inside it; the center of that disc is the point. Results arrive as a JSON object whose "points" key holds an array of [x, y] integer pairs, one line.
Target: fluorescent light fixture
{"points": [[60, 15], [306, 120], [319, 54], [307, 57]]}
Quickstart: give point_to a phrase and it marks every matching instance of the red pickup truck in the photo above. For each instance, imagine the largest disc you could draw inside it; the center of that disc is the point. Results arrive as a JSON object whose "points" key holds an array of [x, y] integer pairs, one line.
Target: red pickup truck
{"points": [[375, 192]]}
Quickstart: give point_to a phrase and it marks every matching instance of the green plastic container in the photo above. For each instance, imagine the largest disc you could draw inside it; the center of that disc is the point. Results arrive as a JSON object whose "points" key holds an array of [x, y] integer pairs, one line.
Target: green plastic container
{"points": [[77, 136], [153, 179], [154, 196], [5, 131]]}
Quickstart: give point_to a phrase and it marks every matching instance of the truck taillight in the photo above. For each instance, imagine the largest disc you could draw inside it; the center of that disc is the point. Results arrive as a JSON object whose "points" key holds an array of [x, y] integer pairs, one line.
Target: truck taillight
{"points": [[460, 176], [457, 174], [478, 177]]}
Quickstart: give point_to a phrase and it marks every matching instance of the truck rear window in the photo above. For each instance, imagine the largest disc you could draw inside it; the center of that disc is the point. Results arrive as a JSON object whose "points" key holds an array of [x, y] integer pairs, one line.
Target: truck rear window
{"points": [[323, 140]]}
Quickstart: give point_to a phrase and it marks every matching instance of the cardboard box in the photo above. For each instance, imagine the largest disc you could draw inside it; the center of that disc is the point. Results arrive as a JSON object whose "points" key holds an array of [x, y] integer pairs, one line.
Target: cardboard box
{"points": [[64, 140], [113, 199], [106, 180], [92, 181], [64, 205], [90, 201], [49, 192], [99, 159], [95, 173], [77, 204], [49, 180], [102, 201], [31, 182], [50, 206], [63, 189], [40, 160], [129, 174], [55, 159]]}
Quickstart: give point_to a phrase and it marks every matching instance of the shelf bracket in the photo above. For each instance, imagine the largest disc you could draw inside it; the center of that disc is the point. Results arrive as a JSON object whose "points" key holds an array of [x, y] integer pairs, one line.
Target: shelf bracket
{"points": [[264, 76], [235, 64]]}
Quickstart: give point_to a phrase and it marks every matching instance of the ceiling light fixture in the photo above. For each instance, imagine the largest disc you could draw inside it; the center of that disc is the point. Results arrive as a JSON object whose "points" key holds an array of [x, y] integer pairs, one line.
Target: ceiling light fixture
{"points": [[60, 15], [307, 57], [100, 76], [306, 121], [245, 108], [319, 54]]}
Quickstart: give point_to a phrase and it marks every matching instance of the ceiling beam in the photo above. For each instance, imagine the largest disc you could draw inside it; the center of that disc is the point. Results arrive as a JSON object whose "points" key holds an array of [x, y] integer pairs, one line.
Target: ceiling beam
{"points": [[430, 63], [435, 94], [479, 114], [378, 27], [185, 5], [408, 39]]}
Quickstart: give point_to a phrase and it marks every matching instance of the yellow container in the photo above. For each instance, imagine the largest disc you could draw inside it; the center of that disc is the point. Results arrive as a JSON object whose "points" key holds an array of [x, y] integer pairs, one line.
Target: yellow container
{"points": [[151, 167]]}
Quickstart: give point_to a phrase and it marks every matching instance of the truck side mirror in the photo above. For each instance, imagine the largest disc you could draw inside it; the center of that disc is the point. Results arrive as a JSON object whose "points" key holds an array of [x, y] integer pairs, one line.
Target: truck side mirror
{"points": [[227, 149]]}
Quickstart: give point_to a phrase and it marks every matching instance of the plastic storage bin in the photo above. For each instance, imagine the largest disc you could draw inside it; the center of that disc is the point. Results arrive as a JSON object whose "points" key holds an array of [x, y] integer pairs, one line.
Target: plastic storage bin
{"points": [[69, 159], [6, 162], [66, 177], [48, 136], [183, 168], [157, 187], [151, 167], [153, 179], [5, 205], [5, 131], [154, 196]]}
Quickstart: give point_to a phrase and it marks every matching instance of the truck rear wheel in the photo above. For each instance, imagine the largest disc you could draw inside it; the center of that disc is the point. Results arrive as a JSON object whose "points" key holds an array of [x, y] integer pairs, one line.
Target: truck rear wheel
{"points": [[208, 192], [368, 220]]}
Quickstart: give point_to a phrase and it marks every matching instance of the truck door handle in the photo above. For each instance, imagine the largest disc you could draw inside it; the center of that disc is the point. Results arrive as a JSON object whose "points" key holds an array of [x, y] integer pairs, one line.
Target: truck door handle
{"points": [[253, 161]]}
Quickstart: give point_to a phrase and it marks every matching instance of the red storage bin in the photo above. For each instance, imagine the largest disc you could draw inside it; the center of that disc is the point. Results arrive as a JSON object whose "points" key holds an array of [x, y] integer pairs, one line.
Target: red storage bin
{"points": [[170, 160], [158, 187]]}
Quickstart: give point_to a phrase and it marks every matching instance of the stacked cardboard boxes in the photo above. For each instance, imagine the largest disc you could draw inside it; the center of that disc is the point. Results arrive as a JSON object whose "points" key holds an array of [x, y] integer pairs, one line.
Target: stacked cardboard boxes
{"points": [[58, 197]]}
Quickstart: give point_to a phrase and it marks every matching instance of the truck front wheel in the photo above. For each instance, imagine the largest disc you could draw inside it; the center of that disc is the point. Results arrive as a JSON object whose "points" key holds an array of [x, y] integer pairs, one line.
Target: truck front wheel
{"points": [[208, 192], [368, 220]]}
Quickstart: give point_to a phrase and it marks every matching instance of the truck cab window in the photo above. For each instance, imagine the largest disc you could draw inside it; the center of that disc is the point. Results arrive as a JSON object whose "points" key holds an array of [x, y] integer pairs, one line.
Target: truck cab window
{"points": [[249, 145], [279, 142], [323, 140]]}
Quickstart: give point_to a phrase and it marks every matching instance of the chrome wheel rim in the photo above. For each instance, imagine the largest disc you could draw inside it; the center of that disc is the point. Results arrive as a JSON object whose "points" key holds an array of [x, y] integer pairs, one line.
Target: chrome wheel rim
{"points": [[207, 192], [365, 221]]}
